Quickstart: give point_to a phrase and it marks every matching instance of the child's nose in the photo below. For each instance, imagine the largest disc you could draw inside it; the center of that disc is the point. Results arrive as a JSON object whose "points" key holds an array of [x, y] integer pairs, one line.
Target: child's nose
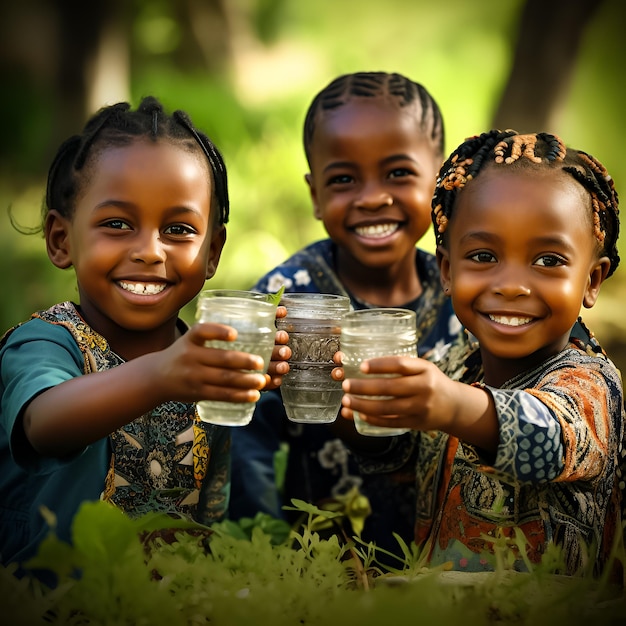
{"points": [[511, 282], [373, 196], [148, 248]]}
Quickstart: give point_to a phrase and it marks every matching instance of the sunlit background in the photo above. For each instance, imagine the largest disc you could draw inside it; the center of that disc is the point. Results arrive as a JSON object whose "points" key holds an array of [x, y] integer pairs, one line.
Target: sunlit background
{"points": [[246, 70]]}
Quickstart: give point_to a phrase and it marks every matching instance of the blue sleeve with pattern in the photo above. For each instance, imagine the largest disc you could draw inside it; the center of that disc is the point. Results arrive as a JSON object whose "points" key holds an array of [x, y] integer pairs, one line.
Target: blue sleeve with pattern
{"points": [[531, 445]]}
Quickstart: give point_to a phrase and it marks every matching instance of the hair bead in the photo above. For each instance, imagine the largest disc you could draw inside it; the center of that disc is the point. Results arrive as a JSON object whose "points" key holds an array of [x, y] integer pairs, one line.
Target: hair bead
{"points": [[542, 150]]}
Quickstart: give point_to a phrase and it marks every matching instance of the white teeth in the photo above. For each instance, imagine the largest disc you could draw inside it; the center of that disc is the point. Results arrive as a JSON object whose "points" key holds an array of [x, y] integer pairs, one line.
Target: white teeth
{"points": [[377, 231], [510, 321], [147, 289]]}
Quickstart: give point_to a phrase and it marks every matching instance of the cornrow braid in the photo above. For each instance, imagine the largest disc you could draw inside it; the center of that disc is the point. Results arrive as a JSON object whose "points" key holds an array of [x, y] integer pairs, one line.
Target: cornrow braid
{"points": [[215, 160], [498, 148], [118, 125], [374, 85], [94, 126]]}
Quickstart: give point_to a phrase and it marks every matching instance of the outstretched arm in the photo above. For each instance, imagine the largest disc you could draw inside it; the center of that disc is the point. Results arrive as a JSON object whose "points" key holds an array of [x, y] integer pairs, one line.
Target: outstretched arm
{"points": [[65, 418], [422, 398]]}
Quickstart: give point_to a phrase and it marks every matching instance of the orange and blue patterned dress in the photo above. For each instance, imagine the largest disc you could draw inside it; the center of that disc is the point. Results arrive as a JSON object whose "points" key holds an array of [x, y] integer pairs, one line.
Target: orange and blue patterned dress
{"points": [[556, 475]]}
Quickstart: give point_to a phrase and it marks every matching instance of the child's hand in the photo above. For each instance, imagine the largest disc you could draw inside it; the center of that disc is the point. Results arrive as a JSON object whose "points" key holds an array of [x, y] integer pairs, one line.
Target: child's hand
{"points": [[417, 391], [337, 373], [189, 371], [422, 398], [278, 365]]}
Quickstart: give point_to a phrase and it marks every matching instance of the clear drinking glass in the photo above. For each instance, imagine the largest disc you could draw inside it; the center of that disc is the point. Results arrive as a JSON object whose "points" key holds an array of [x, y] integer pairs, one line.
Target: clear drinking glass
{"points": [[369, 333], [253, 315], [313, 322]]}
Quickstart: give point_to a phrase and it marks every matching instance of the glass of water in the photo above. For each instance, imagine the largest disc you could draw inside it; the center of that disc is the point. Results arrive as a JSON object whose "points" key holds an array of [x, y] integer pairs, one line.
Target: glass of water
{"points": [[253, 315], [313, 322], [369, 333]]}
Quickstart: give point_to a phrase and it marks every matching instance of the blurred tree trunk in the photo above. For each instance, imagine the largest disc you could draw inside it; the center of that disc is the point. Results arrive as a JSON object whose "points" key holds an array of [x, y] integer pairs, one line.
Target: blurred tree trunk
{"points": [[61, 61], [548, 40], [207, 42], [52, 57], [93, 55], [108, 69]]}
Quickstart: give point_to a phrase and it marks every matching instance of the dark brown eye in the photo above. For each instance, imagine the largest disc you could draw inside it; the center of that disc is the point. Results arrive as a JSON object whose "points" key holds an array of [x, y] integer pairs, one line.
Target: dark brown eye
{"points": [[483, 257], [549, 260], [179, 229], [117, 225]]}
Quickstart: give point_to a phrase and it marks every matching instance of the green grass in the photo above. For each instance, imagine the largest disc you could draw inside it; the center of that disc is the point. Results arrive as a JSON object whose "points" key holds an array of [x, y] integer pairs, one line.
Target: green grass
{"points": [[156, 570]]}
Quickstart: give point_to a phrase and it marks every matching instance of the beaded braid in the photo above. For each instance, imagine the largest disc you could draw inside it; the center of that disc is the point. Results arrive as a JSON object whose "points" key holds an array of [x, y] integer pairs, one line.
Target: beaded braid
{"points": [[506, 148], [118, 125], [374, 85]]}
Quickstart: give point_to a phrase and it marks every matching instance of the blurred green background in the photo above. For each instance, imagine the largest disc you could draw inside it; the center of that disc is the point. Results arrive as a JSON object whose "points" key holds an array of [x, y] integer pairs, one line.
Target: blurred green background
{"points": [[246, 70]]}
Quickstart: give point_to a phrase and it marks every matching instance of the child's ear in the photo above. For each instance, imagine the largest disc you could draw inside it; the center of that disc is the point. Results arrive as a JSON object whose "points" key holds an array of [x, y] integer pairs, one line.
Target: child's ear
{"points": [[218, 239], [313, 193], [443, 260], [56, 232], [596, 278]]}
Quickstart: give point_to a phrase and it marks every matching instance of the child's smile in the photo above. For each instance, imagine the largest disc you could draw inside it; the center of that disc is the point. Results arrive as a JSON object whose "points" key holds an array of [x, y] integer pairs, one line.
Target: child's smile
{"points": [[510, 320], [147, 289], [377, 231]]}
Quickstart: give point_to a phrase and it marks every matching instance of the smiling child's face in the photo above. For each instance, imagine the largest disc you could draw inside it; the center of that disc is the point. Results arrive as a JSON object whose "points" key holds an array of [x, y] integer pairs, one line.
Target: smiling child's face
{"points": [[142, 240], [373, 171], [521, 259]]}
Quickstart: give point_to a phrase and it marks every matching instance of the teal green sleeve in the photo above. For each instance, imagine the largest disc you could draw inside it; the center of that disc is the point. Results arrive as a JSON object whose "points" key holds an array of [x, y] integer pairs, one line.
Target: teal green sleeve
{"points": [[36, 357]]}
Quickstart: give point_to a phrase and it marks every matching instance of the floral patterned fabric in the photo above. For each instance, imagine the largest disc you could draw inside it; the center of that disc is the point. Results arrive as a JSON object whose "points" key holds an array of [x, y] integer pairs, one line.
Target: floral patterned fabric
{"points": [[320, 467]]}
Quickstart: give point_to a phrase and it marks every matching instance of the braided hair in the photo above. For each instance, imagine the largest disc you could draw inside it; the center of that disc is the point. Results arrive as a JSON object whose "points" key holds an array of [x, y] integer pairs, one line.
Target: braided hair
{"points": [[118, 125], [498, 148], [374, 85]]}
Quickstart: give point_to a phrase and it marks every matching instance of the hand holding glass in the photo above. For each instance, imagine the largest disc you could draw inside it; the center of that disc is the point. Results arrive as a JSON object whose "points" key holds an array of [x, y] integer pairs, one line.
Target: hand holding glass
{"points": [[252, 315], [370, 333]]}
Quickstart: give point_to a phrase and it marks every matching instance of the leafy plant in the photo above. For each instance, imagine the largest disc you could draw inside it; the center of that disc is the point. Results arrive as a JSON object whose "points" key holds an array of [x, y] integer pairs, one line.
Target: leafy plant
{"points": [[159, 570]]}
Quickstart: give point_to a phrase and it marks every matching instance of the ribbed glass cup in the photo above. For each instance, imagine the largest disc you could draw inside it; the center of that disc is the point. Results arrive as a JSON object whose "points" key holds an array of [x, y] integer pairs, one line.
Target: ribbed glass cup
{"points": [[313, 322], [369, 333], [253, 316]]}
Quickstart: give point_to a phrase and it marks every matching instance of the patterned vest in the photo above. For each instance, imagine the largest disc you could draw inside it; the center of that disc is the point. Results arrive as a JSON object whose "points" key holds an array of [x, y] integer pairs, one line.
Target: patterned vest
{"points": [[158, 461]]}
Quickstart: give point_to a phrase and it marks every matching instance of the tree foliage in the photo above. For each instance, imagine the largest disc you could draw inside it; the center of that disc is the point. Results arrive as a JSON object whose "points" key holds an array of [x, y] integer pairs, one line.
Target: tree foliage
{"points": [[247, 69]]}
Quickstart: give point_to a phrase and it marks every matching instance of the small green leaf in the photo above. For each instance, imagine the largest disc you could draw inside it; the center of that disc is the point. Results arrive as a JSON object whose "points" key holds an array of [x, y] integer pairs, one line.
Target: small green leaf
{"points": [[102, 532], [301, 505], [56, 556], [274, 298]]}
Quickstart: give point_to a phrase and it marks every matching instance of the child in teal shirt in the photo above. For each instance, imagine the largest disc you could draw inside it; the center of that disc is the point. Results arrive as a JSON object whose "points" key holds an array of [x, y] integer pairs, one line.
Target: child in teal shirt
{"points": [[98, 396]]}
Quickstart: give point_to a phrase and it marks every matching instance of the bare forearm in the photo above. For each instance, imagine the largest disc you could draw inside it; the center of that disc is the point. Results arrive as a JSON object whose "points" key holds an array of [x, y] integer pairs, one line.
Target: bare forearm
{"points": [[474, 417], [80, 411]]}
